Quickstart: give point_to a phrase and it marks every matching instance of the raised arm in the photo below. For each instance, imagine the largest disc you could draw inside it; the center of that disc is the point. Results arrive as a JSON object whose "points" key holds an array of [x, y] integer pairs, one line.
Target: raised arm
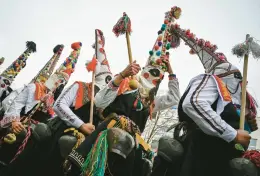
{"points": [[108, 94], [197, 105], [63, 104], [172, 97]]}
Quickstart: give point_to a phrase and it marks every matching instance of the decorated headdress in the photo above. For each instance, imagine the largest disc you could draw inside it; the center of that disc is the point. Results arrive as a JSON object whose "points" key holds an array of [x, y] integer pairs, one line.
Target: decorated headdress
{"points": [[9, 74], [47, 70], [63, 73], [12, 71], [103, 73], [212, 61], [153, 72]]}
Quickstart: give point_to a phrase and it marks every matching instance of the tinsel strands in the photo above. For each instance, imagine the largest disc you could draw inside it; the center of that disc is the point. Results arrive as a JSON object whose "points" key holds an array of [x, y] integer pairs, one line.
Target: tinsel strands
{"points": [[97, 157]]}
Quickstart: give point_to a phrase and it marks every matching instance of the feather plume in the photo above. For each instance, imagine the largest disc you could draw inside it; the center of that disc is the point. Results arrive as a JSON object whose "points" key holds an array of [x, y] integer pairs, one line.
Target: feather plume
{"points": [[255, 49], [239, 50]]}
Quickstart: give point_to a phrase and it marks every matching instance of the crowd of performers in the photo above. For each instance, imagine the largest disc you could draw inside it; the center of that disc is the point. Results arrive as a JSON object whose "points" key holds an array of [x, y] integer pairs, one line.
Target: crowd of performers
{"points": [[46, 130]]}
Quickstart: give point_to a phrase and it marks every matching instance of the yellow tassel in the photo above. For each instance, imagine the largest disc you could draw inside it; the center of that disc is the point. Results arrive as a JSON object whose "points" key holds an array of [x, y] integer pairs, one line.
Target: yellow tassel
{"points": [[10, 138]]}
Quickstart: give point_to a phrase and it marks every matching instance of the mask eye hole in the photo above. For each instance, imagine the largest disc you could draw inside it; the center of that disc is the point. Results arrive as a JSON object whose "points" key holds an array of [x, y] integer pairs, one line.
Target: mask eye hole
{"points": [[238, 75], [154, 72], [108, 79]]}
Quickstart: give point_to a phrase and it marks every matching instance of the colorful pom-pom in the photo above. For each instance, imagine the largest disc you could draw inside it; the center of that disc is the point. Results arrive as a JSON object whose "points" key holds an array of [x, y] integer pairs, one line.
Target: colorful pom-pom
{"points": [[158, 61], [159, 38], [76, 45], [159, 43], [159, 32], [146, 75], [151, 53], [163, 28], [166, 21], [156, 47], [158, 53], [164, 25]]}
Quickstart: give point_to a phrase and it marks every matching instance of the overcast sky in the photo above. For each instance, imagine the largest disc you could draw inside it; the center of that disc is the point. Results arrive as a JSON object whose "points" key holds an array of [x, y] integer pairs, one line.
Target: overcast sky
{"points": [[52, 22]]}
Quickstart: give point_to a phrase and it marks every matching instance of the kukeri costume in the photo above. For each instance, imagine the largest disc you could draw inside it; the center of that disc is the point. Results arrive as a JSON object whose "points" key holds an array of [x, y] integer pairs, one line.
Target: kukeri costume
{"points": [[114, 142], [19, 103], [56, 81], [209, 115], [72, 109], [23, 104], [9, 74]]}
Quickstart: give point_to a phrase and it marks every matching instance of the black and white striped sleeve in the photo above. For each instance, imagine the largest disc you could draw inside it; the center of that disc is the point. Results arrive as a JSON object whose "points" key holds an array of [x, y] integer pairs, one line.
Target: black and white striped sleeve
{"points": [[197, 105]]}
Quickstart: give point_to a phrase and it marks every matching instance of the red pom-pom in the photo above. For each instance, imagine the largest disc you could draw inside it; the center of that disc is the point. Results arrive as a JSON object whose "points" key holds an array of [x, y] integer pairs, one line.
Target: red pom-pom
{"points": [[156, 47], [201, 42], [146, 75], [187, 32], [176, 26], [76, 45], [101, 50], [158, 61], [166, 21], [207, 44]]}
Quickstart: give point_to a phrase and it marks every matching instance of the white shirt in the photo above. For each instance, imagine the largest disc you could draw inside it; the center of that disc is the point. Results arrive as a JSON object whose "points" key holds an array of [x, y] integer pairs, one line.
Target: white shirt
{"points": [[25, 98], [62, 106], [197, 105], [108, 94], [68, 99]]}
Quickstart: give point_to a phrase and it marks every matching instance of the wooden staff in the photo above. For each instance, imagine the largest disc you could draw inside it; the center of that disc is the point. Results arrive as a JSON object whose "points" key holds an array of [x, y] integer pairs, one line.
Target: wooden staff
{"points": [[92, 98], [244, 83], [93, 84], [129, 48]]}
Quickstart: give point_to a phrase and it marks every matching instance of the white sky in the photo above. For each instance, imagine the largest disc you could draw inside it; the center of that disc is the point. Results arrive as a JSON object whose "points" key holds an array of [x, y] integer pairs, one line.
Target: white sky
{"points": [[52, 22]]}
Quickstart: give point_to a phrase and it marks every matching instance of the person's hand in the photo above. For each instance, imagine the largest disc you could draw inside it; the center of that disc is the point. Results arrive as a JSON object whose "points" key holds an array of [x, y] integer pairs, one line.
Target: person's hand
{"points": [[130, 70], [243, 138], [168, 64], [17, 127], [87, 128]]}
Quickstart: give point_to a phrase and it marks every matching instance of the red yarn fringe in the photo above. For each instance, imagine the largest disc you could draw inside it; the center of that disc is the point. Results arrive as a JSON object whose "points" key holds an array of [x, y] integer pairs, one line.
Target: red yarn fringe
{"points": [[122, 26], [254, 156]]}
